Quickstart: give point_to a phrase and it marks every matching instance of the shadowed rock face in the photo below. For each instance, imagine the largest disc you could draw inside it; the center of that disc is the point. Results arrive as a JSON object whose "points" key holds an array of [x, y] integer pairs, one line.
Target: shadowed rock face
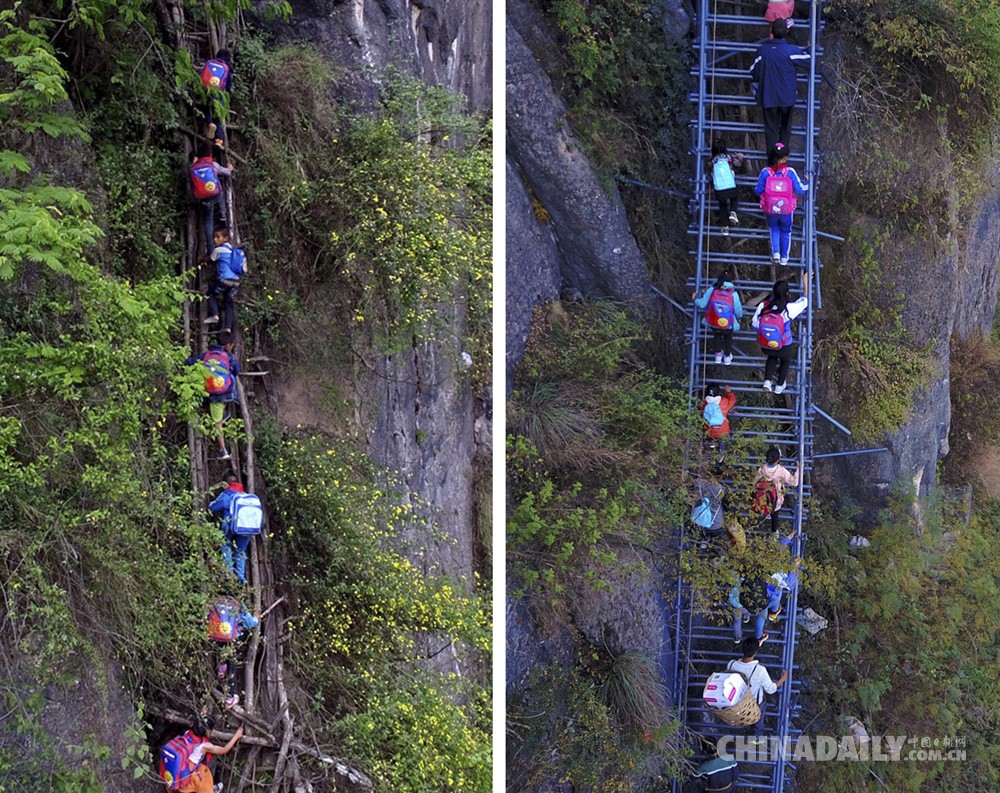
{"points": [[532, 265], [597, 253], [947, 270], [445, 42]]}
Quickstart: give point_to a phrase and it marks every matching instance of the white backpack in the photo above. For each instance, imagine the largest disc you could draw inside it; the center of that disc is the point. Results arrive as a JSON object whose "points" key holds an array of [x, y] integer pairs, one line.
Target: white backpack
{"points": [[246, 516]]}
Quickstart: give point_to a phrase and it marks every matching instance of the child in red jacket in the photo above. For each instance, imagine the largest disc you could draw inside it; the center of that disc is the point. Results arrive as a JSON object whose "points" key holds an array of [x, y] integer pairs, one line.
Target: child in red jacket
{"points": [[715, 410]]}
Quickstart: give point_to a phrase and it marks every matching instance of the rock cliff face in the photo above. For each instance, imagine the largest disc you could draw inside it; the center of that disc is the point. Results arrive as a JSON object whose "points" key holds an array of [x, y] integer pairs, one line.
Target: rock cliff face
{"points": [[949, 278], [596, 252], [422, 403], [445, 42]]}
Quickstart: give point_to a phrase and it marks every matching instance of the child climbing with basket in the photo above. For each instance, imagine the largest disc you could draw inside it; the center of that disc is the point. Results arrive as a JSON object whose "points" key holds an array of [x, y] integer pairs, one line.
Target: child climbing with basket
{"points": [[777, 186], [722, 167]]}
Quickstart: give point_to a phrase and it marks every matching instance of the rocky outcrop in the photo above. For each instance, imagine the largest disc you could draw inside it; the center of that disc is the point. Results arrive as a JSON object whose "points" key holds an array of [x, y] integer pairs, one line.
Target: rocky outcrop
{"points": [[445, 42], [598, 255], [947, 269], [532, 265]]}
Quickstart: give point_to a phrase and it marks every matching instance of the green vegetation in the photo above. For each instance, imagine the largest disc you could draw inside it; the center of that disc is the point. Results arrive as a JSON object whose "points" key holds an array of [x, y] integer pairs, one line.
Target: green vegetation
{"points": [[107, 558], [363, 614], [878, 369], [389, 214], [914, 646], [593, 466]]}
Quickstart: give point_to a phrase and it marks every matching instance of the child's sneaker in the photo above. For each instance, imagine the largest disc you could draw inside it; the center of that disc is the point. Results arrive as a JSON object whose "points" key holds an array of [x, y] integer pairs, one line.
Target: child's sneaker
{"points": [[762, 639], [738, 641], [725, 231], [211, 131], [211, 320], [779, 388], [734, 219], [784, 261], [727, 360], [775, 258], [232, 702], [224, 454], [217, 788], [718, 358], [222, 670], [767, 386], [774, 617]]}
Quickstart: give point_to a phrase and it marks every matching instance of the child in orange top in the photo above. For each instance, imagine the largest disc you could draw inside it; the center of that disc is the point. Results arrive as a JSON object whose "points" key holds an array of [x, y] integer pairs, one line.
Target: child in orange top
{"points": [[715, 410]]}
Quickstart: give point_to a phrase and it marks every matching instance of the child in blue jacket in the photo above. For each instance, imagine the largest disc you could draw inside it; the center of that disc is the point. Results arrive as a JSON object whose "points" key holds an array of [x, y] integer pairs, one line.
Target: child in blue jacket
{"points": [[723, 315], [777, 186], [230, 264]]}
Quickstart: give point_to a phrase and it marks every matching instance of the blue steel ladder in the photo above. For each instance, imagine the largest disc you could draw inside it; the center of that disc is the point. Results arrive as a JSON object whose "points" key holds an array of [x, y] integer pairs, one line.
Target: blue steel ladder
{"points": [[726, 45]]}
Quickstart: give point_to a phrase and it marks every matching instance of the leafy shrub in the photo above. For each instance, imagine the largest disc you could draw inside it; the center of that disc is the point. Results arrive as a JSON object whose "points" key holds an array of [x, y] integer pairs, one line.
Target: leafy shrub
{"points": [[364, 610]]}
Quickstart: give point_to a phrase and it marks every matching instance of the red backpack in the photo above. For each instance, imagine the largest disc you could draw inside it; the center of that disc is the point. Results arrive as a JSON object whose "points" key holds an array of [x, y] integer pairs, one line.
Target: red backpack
{"points": [[765, 497], [778, 197], [214, 74], [204, 179], [720, 312], [175, 759]]}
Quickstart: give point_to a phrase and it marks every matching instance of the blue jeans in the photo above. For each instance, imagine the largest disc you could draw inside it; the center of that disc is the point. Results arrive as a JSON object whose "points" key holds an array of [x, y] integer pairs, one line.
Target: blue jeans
{"points": [[781, 234], [234, 553], [762, 614]]}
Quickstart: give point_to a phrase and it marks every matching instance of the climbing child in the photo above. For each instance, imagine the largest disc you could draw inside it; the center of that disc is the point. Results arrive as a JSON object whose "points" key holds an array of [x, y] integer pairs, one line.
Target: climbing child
{"points": [[220, 382], [769, 486], [230, 264], [207, 187], [773, 322], [241, 520], [226, 621], [723, 314], [777, 186], [217, 78], [722, 166], [184, 760], [715, 409]]}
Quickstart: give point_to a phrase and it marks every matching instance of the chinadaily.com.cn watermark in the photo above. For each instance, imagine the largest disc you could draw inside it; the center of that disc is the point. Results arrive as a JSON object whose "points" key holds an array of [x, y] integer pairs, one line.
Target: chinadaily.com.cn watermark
{"points": [[826, 748]]}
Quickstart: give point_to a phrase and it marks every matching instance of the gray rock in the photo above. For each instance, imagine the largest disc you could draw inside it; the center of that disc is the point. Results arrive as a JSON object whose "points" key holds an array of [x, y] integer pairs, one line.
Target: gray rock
{"points": [[597, 252], [532, 266], [445, 42]]}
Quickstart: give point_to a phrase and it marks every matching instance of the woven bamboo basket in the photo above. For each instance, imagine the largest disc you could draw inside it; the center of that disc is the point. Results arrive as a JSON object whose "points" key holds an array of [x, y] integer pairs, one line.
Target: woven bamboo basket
{"points": [[744, 713]]}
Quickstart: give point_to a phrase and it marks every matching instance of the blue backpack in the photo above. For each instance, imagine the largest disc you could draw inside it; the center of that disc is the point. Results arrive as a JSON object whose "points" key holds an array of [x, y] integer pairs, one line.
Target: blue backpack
{"points": [[246, 516], [722, 174], [238, 261], [713, 415], [773, 331], [702, 515]]}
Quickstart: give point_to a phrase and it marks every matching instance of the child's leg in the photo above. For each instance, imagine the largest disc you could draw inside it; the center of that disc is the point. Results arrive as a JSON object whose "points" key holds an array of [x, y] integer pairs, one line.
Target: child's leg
{"points": [[228, 293], [727, 341], [218, 412], [785, 224], [717, 341], [783, 359], [723, 197], [772, 224], [213, 303], [769, 367], [208, 222]]}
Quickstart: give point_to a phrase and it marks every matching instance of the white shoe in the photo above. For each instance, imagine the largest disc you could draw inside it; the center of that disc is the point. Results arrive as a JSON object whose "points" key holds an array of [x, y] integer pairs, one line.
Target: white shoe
{"points": [[779, 388], [784, 262], [727, 360], [725, 231], [734, 219], [718, 358], [776, 258], [217, 788], [767, 386]]}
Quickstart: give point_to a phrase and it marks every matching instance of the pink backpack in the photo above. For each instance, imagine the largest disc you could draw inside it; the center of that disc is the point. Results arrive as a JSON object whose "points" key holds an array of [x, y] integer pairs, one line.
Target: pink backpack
{"points": [[778, 197]]}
